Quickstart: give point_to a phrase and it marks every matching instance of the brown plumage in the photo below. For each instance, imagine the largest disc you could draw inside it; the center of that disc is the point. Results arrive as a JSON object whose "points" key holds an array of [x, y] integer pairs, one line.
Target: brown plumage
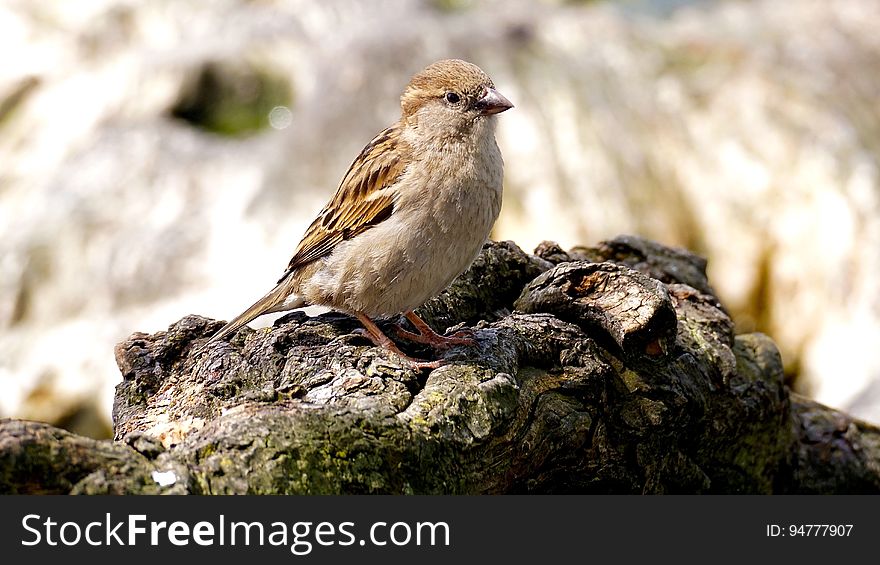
{"points": [[410, 214], [360, 202]]}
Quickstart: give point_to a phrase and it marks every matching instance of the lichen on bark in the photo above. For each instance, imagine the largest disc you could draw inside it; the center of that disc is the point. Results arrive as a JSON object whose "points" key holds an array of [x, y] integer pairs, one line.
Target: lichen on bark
{"points": [[611, 369]]}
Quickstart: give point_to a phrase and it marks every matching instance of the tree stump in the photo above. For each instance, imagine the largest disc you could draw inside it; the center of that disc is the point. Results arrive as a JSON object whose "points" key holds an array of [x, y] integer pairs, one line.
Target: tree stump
{"points": [[611, 369]]}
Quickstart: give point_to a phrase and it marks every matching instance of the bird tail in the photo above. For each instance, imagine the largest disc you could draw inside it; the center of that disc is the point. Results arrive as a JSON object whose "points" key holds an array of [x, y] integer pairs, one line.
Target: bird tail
{"points": [[276, 300]]}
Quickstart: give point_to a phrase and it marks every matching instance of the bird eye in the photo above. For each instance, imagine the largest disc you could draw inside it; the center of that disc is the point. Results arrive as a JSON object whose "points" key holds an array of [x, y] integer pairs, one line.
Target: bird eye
{"points": [[452, 98]]}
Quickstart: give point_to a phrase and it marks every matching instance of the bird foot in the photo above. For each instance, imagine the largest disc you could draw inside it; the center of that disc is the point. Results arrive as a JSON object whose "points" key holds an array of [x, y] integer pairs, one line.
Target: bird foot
{"points": [[429, 337], [436, 340], [390, 346]]}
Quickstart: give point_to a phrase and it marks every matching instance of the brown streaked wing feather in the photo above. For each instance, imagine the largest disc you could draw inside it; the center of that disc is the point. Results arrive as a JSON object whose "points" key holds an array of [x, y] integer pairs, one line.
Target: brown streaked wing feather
{"points": [[359, 202]]}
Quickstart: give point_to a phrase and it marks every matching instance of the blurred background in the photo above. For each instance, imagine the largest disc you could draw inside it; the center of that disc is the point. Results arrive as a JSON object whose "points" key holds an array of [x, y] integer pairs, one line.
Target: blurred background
{"points": [[163, 157]]}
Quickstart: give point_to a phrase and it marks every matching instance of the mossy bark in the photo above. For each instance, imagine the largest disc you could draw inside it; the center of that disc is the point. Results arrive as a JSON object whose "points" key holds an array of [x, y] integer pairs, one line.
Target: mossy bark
{"points": [[605, 370]]}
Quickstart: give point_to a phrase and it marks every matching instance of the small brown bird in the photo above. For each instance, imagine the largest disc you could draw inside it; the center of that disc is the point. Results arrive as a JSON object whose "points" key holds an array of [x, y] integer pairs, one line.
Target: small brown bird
{"points": [[410, 215]]}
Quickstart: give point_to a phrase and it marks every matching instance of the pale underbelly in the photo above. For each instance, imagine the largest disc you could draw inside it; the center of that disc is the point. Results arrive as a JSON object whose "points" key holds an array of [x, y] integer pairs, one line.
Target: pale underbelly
{"points": [[396, 267]]}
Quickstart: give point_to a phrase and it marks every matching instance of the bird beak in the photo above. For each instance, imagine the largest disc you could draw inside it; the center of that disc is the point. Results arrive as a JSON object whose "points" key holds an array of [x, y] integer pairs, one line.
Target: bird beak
{"points": [[492, 102]]}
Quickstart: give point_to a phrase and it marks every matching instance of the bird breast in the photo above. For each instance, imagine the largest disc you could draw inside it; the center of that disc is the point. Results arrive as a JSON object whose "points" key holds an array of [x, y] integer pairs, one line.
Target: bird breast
{"points": [[445, 207]]}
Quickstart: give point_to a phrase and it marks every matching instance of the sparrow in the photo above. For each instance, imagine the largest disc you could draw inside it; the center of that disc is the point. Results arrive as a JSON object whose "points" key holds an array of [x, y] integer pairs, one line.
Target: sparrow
{"points": [[410, 215]]}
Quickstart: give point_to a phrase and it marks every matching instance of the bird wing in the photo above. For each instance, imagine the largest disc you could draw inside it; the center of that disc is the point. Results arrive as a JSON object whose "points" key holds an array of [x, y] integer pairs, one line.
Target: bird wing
{"points": [[364, 199]]}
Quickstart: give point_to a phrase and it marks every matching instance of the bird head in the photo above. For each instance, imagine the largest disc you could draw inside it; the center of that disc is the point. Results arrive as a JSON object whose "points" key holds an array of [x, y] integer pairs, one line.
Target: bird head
{"points": [[452, 95]]}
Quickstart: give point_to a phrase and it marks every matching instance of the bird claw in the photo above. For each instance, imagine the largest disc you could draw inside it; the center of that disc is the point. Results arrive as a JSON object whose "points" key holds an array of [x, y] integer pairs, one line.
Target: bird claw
{"points": [[390, 346], [420, 364], [436, 341], [466, 334], [442, 342]]}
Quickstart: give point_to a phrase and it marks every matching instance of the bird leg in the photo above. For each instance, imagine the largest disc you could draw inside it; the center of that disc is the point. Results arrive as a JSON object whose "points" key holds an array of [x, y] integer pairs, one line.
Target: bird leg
{"points": [[379, 339], [429, 337]]}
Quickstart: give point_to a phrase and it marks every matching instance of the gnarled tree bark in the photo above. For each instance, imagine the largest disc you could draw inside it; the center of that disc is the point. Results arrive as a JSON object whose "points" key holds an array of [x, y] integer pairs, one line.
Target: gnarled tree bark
{"points": [[611, 369]]}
